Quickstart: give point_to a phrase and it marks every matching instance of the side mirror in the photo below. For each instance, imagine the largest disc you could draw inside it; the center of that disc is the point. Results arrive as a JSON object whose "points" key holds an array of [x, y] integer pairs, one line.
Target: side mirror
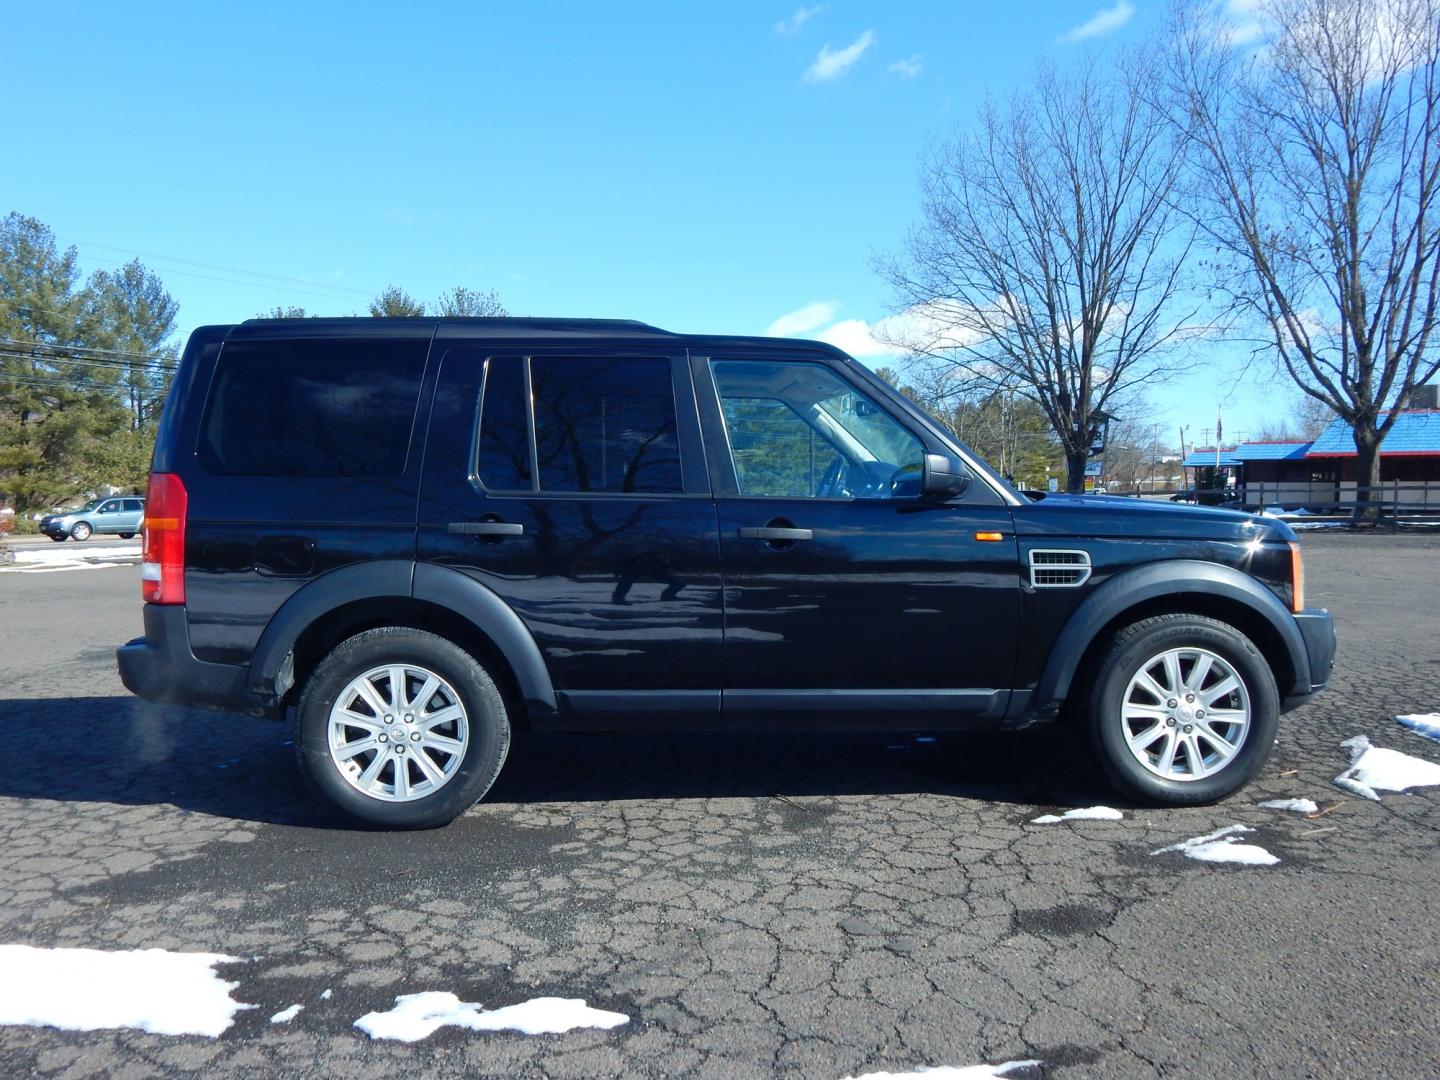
{"points": [[943, 477]]}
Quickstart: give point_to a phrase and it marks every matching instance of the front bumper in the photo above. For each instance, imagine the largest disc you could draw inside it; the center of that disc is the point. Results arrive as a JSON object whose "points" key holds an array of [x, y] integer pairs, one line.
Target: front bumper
{"points": [[160, 667], [1317, 628]]}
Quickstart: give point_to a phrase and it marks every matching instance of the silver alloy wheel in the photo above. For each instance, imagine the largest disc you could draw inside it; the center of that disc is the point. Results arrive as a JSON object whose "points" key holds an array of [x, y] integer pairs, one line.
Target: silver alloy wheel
{"points": [[1185, 714], [398, 733]]}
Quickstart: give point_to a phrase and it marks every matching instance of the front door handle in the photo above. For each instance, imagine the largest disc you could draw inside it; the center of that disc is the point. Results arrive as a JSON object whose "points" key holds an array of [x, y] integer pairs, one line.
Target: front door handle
{"points": [[487, 528], [771, 532]]}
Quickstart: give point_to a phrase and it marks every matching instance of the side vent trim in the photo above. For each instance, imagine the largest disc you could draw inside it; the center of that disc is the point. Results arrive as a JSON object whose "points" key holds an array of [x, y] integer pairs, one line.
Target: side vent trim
{"points": [[1059, 568]]}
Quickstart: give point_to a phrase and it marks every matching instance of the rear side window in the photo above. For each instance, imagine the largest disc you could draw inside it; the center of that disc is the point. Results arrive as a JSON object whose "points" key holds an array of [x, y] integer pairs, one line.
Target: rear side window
{"points": [[133, 506], [312, 407], [601, 424], [605, 424]]}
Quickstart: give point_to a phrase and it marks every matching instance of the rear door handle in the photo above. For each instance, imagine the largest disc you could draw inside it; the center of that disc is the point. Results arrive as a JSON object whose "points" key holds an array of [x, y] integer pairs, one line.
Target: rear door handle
{"points": [[771, 532], [487, 528]]}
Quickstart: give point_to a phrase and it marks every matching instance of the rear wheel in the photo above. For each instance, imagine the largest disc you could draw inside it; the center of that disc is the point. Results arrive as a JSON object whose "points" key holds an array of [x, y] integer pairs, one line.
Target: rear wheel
{"points": [[1183, 710], [401, 729], [127, 536], [81, 531]]}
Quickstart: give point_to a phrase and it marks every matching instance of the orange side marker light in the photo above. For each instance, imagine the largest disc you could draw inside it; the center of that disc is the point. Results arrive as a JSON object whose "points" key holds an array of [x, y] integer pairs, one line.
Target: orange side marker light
{"points": [[989, 536]]}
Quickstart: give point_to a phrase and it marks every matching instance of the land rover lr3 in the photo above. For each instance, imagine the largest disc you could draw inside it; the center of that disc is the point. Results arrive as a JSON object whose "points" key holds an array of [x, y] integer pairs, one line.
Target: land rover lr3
{"points": [[419, 533]]}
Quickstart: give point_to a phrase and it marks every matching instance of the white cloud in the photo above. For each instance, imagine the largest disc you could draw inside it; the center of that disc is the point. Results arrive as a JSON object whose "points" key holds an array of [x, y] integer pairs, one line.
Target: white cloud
{"points": [[832, 63], [936, 327], [791, 26], [1101, 23], [803, 320], [856, 337], [908, 69]]}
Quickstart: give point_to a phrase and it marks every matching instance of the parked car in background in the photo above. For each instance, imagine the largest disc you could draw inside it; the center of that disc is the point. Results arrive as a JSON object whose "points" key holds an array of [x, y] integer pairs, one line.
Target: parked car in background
{"points": [[122, 515], [412, 535]]}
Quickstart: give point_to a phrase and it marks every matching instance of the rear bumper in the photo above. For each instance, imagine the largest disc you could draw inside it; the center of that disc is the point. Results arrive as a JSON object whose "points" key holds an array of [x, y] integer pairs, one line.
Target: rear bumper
{"points": [[160, 667], [1317, 628]]}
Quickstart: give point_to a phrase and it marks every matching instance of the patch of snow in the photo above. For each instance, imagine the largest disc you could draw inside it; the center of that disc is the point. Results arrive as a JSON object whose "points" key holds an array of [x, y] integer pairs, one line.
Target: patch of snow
{"points": [[1299, 806], [71, 556], [416, 1016], [948, 1072], [164, 993], [1427, 724], [1220, 846], [327, 995], [284, 1016], [1374, 769], [1085, 813]]}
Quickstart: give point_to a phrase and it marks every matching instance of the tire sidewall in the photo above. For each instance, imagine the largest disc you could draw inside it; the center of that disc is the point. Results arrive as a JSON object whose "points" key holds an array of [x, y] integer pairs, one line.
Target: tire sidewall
{"points": [[485, 714], [81, 531], [1113, 679]]}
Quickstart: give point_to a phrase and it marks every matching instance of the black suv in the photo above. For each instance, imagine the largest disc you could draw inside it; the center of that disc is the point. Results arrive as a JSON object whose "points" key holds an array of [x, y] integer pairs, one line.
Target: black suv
{"points": [[419, 533]]}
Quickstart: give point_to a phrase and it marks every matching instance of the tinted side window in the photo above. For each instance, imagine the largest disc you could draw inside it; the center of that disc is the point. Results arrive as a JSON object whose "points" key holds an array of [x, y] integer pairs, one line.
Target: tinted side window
{"points": [[133, 506], [312, 408], [503, 456], [605, 425], [798, 429]]}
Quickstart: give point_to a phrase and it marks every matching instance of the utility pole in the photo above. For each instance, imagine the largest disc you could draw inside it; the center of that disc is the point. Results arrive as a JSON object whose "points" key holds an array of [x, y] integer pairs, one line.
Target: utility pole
{"points": [[1154, 456]]}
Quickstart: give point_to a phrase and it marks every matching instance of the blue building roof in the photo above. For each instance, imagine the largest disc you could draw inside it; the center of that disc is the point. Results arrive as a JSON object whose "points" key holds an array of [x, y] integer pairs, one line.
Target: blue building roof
{"points": [[1415, 432], [1271, 451], [1199, 459]]}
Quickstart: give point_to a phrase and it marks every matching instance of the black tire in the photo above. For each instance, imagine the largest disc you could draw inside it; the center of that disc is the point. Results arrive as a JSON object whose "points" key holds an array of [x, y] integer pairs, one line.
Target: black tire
{"points": [[81, 531], [59, 538], [485, 712], [127, 536], [1131, 648]]}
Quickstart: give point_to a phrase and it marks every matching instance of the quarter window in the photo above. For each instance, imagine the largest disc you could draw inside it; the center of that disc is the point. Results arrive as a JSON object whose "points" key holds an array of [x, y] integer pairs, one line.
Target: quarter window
{"points": [[797, 430], [503, 456], [312, 407]]}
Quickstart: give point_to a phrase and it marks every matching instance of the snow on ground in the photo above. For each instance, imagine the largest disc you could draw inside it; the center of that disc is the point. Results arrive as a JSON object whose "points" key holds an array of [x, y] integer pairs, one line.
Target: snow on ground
{"points": [[1374, 769], [1299, 806], [70, 556], [416, 1016], [1220, 846], [284, 1016], [1427, 724], [1084, 813], [948, 1072], [165, 993]]}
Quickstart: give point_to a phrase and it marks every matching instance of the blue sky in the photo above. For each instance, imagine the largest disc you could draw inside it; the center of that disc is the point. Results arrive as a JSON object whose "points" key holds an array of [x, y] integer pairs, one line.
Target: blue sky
{"points": [[702, 167]]}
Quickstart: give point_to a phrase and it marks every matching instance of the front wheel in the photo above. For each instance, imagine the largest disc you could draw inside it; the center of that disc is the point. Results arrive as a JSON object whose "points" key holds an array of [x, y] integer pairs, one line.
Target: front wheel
{"points": [[81, 531], [401, 729], [1182, 711], [59, 538]]}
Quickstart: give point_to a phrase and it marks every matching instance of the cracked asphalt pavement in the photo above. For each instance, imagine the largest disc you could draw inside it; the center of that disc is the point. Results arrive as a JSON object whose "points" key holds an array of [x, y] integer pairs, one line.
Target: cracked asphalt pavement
{"points": [[810, 905]]}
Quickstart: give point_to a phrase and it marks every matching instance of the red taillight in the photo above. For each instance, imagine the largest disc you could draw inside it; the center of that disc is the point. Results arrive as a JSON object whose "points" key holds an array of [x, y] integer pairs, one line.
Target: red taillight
{"points": [[162, 568]]}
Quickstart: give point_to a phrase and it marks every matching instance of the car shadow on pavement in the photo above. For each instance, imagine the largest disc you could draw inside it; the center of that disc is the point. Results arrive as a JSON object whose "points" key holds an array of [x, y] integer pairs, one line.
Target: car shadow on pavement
{"points": [[127, 751]]}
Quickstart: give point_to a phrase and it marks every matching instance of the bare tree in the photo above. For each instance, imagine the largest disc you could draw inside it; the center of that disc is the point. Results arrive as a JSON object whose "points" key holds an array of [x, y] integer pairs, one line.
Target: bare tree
{"points": [[1047, 261], [1319, 156]]}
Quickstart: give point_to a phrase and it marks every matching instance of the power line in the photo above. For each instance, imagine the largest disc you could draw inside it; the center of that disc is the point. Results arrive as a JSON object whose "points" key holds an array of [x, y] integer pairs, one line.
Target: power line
{"points": [[65, 384], [287, 289], [16, 342], [119, 366], [367, 293]]}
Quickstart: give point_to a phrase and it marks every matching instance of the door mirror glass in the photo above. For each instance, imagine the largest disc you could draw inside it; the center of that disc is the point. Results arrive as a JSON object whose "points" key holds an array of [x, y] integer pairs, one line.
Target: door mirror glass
{"points": [[945, 477]]}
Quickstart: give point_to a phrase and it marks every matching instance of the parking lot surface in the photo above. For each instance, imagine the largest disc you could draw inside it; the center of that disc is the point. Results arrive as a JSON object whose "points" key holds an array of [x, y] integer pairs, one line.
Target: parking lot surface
{"points": [[813, 905]]}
